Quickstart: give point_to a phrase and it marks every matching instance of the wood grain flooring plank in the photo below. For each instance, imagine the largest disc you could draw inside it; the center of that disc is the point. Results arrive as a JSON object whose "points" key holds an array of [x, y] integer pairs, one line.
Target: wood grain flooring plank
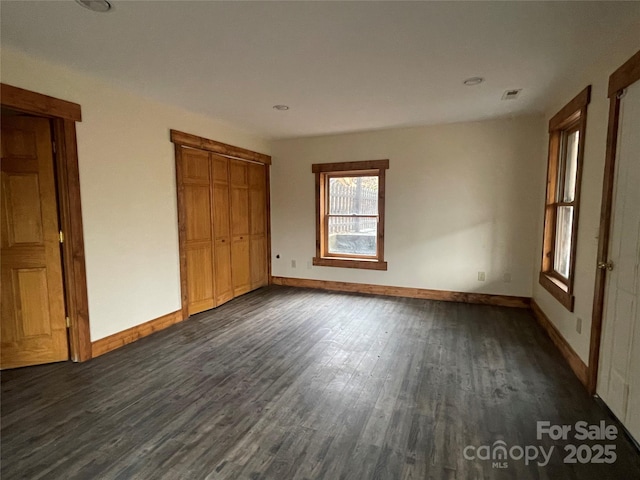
{"points": [[286, 383]]}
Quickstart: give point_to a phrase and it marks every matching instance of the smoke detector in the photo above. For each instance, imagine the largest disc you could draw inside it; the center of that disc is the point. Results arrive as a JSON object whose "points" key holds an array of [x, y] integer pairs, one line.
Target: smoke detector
{"points": [[511, 94]]}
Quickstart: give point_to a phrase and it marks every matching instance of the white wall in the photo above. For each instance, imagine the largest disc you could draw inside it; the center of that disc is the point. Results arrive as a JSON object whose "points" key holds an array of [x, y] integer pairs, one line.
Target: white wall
{"points": [[597, 74], [127, 180], [459, 199]]}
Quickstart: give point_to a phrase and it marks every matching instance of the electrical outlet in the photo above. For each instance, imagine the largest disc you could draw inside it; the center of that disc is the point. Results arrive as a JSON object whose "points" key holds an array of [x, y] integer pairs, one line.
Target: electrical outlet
{"points": [[579, 325], [481, 276], [293, 264], [506, 278]]}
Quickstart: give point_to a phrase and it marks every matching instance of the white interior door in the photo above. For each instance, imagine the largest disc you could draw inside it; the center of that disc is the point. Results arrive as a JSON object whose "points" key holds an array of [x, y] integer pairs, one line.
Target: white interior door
{"points": [[619, 375]]}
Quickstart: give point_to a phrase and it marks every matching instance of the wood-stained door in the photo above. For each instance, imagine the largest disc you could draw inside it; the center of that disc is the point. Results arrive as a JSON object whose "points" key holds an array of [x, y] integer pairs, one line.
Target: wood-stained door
{"points": [[33, 329], [258, 224], [619, 379], [198, 231], [222, 221], [240, 227], [222, 229]]}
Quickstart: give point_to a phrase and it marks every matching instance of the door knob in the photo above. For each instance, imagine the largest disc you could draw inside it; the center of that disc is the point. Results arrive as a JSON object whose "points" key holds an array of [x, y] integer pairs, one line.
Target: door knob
{"points": [[605, 265]]}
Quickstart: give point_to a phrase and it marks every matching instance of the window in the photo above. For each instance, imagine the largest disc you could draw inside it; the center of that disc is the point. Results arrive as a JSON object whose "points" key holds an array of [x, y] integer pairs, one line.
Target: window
{"points": [[566, 144], [350, 214]]}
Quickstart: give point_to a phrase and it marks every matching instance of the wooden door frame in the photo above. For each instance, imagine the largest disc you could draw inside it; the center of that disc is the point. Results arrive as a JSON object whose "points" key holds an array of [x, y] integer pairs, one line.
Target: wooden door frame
{"points": [[182, 139], [63, 116], [623, 77]]}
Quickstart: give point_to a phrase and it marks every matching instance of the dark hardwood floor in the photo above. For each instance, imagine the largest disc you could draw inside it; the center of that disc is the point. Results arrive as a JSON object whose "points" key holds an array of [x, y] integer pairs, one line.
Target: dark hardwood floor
{"points": [[300, 384]]}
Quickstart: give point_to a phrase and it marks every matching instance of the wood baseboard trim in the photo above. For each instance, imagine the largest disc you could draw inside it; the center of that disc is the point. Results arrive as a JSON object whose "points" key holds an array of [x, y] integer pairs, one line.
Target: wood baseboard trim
{"points": [[120, 339], [569, 354], [444, 295]]}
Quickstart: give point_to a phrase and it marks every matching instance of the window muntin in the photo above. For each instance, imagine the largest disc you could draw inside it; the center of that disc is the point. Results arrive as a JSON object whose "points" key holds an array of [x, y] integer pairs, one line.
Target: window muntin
{"points": [[567, 173], [350, 214], [352, 221], [562, 250], [571, 140]]}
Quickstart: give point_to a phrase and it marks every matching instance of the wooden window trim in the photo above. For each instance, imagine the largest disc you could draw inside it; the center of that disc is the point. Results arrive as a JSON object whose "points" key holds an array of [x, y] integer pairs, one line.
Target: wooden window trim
{"points": [[350, 167], [63, 115], [572, 117], [324, 171], [558, 289]]}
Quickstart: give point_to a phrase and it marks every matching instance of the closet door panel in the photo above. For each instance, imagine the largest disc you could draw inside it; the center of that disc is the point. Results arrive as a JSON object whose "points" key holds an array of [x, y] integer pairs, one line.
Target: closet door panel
{"points": [[239, 178], [256, 174], [221, 210], [198, 221], [258, 255], [220, 167], [224, 285], [200, 279], [239, 174], [258, 212], [195, 166], [222, 228], [258, 224], [198, 234], [240, 250], [239, 211], [241, 272]]}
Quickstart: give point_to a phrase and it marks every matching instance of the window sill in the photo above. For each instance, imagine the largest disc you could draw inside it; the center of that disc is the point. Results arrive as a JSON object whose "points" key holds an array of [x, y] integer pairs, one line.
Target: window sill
{"points": [[558, 289], [350, 263]]}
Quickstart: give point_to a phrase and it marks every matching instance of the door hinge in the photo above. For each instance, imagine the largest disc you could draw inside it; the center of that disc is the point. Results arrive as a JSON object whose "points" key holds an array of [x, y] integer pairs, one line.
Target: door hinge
{"points": [[53, 144], [68, 320], [61, 237]]}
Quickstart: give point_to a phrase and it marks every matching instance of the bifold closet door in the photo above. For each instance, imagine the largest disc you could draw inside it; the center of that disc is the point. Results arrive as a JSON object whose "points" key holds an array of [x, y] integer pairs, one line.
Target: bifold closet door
{"points": [[198, 232], [222, 229], [258, 224], [240, 256]]}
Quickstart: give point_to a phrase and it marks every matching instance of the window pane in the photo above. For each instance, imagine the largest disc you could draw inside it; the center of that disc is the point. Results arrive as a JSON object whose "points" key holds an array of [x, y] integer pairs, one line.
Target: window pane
{"points": [[564, 226], [353, 235], [353, 195], [571, 167]]}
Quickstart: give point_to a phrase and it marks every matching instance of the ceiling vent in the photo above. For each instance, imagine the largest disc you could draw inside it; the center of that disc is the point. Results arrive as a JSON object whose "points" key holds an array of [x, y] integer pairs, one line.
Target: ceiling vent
{"points": [[511, 94]]}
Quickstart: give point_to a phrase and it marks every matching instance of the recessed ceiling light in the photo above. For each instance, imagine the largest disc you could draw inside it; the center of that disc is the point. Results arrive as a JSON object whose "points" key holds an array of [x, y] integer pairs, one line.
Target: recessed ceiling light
{"points": [[469, 82], [281, 107], [100, 6]]}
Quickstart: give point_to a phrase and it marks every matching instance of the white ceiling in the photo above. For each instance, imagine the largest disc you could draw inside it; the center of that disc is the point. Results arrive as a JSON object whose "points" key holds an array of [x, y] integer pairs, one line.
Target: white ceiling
{"points": [[341, 66]]}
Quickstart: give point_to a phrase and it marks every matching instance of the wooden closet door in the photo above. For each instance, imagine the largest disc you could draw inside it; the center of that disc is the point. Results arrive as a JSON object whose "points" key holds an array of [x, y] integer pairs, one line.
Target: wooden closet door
{"points": [[222, 229], [196, 181], [240, 256], [258, 224]]}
